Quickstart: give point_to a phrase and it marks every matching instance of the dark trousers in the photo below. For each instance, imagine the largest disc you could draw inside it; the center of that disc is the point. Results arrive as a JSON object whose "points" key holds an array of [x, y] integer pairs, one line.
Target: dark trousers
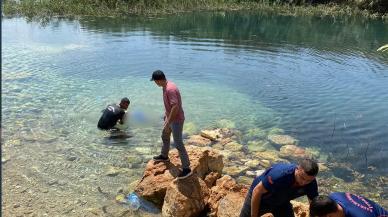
{"points": [[283, 210], [176, 130]]}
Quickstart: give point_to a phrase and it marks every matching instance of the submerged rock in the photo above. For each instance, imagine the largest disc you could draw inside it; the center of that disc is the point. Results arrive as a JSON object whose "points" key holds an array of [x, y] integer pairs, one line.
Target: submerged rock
{"points": [[233, 146], [224, 123], [255, 134], [294, 152], [271, 156], [259, 146], [252, 163], [220, 134], [190, 128], [235, 170], [275, 130], [282, 139]]}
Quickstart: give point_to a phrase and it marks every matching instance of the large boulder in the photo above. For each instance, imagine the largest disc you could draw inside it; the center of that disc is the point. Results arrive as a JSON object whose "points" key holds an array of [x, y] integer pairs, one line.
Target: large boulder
{"points": [[156, 179], [158, 176], [185, 198]]}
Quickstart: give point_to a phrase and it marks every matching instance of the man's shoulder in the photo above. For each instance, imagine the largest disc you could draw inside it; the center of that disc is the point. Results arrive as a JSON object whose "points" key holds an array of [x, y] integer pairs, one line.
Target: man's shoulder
{"points": [[282, 172], [337, 195], [284, 168], [171, 86]]}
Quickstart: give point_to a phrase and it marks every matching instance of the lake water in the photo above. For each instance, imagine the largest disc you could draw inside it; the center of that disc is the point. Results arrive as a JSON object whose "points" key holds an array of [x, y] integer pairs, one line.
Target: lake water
{"points": [[321, 80]]}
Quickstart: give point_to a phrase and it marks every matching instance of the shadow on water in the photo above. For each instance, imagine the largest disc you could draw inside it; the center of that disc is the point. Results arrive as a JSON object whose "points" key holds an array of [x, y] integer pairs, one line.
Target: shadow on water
{"points": [[118, 138]]}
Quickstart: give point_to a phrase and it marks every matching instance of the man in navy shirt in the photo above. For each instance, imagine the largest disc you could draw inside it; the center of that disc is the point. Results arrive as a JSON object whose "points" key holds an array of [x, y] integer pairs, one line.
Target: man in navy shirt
{"points": [[340, 204], [272, 191]]}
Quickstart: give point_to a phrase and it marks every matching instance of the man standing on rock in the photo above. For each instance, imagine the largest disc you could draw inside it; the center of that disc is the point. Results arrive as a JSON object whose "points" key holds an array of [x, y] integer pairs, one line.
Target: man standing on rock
{"points": [[340, 204], [173, 122], [272, 191]]}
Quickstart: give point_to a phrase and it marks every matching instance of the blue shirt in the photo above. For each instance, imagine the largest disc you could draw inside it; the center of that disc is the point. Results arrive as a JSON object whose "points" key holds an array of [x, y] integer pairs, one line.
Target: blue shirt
{"points": [[279, 181], [358, 206]]}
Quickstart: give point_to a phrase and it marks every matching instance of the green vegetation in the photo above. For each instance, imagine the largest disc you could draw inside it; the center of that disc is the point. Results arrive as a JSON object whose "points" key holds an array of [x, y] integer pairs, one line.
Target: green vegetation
{"points": [[117, 8]]}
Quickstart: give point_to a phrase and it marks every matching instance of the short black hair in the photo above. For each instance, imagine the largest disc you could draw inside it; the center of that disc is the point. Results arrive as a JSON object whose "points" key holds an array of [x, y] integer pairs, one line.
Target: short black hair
{"points": [[322, 205], [309, 166], [158, 75], [125, 100]]}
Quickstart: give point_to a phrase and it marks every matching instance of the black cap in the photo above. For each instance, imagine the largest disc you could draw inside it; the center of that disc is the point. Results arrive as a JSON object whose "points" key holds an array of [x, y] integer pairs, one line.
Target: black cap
{"points": [[158, 75], [125, 100]]}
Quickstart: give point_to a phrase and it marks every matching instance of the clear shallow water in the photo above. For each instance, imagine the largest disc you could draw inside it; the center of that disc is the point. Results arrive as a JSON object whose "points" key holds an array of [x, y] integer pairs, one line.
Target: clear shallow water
{"points": [[318, 79]]}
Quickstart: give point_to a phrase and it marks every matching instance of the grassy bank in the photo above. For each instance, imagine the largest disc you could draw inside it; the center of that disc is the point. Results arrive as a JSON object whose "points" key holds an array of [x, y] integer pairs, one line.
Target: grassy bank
{"points": [[116, 8]]}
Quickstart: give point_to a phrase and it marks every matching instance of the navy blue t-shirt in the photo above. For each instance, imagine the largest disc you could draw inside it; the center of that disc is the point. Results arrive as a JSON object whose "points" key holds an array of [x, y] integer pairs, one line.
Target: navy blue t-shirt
{"points": [[358, 206], [110, 116], [279, 181]]}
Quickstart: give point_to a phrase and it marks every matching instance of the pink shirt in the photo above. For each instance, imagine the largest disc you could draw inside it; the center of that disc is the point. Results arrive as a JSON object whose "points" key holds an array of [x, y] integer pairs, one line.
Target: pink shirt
{"points": [[171, 97]]}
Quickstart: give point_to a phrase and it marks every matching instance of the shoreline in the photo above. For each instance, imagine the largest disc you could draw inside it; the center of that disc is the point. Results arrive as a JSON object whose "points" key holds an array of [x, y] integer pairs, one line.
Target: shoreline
{"points": [[56, 8]]}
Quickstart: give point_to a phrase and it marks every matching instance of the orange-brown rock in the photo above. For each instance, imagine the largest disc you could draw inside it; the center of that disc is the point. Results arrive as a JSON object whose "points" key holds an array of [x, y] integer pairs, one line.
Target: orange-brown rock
{"points": [[158, 176], [211, 179], [185, 198], [198, 140], [300, 209], [224, 186]]}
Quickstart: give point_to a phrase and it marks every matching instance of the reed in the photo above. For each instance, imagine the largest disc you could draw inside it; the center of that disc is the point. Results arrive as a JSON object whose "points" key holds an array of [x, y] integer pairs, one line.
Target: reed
{"points": [[117, 8]]}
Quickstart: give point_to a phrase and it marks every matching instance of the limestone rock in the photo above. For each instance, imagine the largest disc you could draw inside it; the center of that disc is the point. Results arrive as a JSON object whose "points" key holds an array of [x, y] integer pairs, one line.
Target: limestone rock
{"points": [[282, 140], [235, 170], [213, 135], [265, 163], [272, 156], [294, 152], [197, 140], [252, 163], [158, 176], [245, 180], [231, 204], [224, 186], [185, 197], [255, 133], [300, 209], [219, 134], [190, 128], [275, 130], [233, 146], [259, 146], [211, 178], [224, 123], [156, 179]]}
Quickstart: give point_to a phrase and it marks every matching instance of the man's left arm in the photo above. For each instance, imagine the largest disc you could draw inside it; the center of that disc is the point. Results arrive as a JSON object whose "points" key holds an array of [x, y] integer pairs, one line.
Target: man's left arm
{"points": [[171, 116]]}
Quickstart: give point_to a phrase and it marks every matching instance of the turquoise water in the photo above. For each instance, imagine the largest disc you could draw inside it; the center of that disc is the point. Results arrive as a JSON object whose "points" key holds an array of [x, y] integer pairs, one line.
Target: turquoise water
{"points": [[321, 80]]}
